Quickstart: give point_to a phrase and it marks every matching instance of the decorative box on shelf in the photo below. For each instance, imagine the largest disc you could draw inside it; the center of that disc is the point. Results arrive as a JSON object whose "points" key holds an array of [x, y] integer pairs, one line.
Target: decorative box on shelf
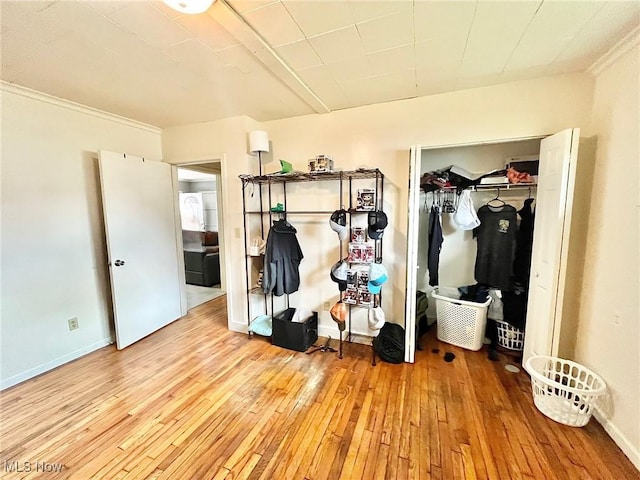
{"points": [[365, 199], [361, 253], [321, 164]]}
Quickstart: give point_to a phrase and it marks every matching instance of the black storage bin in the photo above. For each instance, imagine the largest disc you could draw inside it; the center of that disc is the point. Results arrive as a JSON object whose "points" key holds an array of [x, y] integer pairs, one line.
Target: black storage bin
{"points": [[297, 336]]}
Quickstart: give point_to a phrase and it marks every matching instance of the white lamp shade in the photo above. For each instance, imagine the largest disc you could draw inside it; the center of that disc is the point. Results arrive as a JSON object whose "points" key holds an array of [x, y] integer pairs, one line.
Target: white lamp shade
{"points": [[189, 6], [258, 141]]}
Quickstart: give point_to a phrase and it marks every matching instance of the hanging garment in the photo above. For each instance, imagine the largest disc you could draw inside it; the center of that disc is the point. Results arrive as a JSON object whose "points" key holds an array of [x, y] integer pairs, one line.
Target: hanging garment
{"points": [[495, 311], [524, 243], [281, 260], [465, 215], [515, 306], [435, 244], [496, 242]]}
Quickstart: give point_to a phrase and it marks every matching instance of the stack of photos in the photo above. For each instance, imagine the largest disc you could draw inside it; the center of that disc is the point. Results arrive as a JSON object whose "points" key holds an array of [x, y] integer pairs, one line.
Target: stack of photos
{"points": [[366, 199]]}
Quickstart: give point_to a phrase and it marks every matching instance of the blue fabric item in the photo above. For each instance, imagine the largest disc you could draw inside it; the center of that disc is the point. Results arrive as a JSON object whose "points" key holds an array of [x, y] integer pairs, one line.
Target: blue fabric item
{"points": [[377, 276], [262, 325]]}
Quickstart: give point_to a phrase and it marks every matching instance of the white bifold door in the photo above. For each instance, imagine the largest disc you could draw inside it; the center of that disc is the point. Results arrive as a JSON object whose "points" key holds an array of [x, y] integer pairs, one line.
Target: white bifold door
{"points": [[140, 224], [412, 254], [554, 204]]}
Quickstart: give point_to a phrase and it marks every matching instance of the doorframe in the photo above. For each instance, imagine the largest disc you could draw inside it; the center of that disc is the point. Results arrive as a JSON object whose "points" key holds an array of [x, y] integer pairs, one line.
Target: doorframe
{"points": [[220, 158], [411, 271]]}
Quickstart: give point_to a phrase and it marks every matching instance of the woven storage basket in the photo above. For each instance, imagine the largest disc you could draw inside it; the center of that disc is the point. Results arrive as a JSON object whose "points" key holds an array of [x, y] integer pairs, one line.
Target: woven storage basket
{"points": [[563, 390], [509, 337], [460, 322]]}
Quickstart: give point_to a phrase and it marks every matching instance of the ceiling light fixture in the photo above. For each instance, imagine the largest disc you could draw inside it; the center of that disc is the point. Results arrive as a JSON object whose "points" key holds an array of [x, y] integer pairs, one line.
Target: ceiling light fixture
{"points": [[189, 6]]}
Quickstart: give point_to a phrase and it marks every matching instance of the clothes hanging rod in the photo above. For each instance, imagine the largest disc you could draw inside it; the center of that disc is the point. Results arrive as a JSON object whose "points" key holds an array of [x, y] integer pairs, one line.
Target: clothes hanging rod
{"points": [[506, 186]]}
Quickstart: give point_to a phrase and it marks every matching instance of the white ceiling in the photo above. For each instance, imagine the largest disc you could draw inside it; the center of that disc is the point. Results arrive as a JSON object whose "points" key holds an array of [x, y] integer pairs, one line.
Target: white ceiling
{"points": [[272, 59]]}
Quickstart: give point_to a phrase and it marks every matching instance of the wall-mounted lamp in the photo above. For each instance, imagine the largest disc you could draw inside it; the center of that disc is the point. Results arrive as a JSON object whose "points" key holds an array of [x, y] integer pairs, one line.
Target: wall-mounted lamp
{"points": [[258, 143], [190, 6]]}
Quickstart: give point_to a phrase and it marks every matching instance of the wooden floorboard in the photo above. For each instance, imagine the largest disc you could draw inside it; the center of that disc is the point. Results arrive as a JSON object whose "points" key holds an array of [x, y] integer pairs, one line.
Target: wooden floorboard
{"points": [[196, 401]]}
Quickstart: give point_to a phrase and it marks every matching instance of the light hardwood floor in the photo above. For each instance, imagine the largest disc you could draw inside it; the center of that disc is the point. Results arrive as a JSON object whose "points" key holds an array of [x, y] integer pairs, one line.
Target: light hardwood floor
{"points": [[196, 401]]}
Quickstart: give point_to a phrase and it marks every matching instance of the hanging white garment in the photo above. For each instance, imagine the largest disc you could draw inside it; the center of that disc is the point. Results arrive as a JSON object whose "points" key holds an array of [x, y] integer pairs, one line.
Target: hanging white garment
{"points": [[465, 216], [495, 310]]}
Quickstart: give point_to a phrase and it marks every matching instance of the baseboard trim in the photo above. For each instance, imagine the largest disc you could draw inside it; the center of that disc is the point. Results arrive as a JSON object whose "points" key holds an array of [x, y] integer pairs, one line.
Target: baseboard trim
{"points": [[45, 367], [619, 438]]}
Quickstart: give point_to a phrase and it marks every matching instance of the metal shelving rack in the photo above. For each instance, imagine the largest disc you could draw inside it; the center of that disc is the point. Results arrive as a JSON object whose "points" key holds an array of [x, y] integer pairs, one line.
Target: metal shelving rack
{"points": [[269, 181]]}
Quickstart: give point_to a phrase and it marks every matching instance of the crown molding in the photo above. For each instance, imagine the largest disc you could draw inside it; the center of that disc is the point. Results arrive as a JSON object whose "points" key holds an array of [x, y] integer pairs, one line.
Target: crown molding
{"points": [[77, 107], [623, 46]]}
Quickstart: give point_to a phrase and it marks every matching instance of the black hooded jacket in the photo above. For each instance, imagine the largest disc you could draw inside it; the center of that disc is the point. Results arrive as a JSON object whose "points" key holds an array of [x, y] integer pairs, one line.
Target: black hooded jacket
{"points": [[281, 260]]}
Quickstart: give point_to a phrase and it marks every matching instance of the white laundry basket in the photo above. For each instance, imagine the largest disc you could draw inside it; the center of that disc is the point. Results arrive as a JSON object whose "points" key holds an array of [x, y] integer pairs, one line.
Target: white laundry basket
{"points": [[460, 322], [563, 390], [509, 336]]}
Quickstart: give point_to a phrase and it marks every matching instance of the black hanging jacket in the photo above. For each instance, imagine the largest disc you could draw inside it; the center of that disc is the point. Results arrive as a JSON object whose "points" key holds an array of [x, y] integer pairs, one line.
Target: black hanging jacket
{"points": [[281, 260]]}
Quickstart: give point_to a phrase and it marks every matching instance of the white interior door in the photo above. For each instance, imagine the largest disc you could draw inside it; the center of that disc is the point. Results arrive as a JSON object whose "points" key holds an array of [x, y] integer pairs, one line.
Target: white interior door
{"points": [[140, 224], [556, 178], [412, 255]]}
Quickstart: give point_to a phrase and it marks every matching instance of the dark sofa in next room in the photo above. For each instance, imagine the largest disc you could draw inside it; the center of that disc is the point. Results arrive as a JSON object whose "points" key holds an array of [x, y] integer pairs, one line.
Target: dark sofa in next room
{"points": [[201, 258]]}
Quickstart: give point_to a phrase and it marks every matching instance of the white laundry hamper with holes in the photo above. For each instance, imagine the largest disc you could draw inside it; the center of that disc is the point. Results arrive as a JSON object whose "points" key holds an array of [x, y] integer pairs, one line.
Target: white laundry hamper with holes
{"points": [[509, 337], [563, 390], [460, 322]]}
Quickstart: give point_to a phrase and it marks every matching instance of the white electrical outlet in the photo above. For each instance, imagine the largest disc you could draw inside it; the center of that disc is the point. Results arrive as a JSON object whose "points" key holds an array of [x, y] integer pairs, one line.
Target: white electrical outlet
{"points": [[73, 323], [326, 306], [236, 232]]}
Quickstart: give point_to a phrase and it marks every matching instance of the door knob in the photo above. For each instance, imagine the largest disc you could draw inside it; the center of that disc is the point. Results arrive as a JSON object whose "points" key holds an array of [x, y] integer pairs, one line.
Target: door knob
{"points": [[119, 263]]}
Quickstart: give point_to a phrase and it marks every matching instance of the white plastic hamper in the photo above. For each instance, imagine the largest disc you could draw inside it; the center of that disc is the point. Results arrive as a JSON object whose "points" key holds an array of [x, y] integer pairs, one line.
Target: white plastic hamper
{"points": [[563, 390], [460, 322], [509, 336]]}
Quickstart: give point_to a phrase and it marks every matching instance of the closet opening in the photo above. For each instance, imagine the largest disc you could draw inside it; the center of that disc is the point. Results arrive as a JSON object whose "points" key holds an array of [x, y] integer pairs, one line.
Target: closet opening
{"points": [[559, 199], [455, 266]]}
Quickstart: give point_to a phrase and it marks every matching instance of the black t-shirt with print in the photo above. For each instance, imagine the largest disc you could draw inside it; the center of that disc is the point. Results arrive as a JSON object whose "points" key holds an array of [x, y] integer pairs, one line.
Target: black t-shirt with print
{"points": [[496, 242]]}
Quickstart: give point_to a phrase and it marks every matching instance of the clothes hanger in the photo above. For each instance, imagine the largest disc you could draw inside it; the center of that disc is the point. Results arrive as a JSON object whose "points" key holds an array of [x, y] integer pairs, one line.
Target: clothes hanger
{"points": [[501, 203]]}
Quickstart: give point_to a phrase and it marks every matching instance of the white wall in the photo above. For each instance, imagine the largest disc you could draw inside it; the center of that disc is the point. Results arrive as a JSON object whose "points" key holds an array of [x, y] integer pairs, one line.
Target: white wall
{"points": [[224, 141], [53, 254], [608, 337], [374, 136]]}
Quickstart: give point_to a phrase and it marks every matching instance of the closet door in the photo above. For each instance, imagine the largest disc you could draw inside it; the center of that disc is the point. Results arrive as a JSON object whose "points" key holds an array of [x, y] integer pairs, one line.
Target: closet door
{"points": [[412, 254], [144, 264], [556, 178]]}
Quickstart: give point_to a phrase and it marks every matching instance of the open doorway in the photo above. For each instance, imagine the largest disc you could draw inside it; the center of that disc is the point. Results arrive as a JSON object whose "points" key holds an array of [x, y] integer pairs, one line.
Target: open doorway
{"points": [[199, 196]]}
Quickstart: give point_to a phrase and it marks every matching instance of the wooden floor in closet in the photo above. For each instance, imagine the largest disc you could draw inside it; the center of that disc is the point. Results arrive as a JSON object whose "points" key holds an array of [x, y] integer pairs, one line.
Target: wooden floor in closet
{"points": [[196, 401]]}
